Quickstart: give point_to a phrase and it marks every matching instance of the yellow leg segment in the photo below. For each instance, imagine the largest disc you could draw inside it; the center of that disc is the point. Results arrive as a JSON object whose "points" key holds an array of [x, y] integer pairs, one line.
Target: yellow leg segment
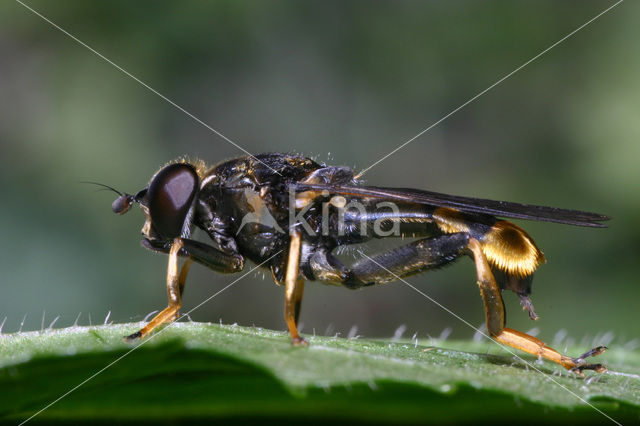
{"points": [[294, 287], [175, 287], [496, 319]]}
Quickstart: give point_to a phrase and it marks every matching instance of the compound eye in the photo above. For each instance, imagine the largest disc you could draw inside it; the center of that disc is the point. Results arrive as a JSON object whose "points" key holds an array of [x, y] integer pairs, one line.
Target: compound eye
{"points": [[170, 197]]}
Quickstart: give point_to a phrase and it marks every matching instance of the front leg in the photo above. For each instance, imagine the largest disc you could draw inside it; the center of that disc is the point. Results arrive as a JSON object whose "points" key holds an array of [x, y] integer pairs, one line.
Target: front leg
{"points": [[174, 292], [212, 257], [195, 251]]}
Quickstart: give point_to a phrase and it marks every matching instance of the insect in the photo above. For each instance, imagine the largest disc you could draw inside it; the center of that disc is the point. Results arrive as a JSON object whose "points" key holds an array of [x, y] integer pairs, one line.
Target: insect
{"points": [[290, 213]]}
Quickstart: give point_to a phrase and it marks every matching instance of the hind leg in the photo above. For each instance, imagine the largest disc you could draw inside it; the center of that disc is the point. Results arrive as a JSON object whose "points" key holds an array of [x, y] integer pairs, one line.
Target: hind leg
{"points": [[409, 259], [434, 252], [496, 319]]}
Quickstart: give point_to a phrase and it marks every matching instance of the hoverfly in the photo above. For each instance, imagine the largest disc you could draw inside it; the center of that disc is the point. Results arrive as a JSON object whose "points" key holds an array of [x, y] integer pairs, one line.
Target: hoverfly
{"points": [[290, 213]]}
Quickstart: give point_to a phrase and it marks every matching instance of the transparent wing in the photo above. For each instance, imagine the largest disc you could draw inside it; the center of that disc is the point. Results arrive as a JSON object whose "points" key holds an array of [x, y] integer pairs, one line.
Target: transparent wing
{"points": [[466, 204]]}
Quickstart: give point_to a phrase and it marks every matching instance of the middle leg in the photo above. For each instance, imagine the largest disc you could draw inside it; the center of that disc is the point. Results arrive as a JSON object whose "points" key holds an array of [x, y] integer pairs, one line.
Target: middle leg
{"points": [[294, 287]]}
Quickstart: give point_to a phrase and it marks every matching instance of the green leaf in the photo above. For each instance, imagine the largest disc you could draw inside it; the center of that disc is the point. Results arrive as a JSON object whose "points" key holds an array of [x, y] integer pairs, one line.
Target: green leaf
{"points": [[195, 371]]}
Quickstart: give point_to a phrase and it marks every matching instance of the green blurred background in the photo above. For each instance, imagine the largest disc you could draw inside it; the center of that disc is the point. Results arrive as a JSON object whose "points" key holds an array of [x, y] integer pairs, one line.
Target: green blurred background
{"points": [[345, 83]]}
